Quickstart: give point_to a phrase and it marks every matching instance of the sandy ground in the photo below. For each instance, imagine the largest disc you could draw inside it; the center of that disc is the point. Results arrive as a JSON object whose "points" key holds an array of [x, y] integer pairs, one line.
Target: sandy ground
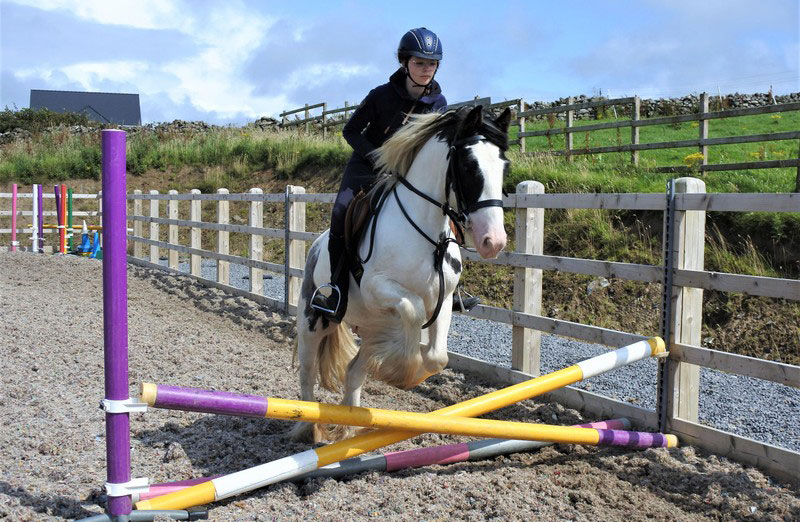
{"points": [[52, 447]]}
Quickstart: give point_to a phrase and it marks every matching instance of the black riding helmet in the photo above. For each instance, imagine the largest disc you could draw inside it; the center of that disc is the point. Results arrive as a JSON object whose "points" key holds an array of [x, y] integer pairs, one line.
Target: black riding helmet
{"points": [[419, 42], [422, 43]]}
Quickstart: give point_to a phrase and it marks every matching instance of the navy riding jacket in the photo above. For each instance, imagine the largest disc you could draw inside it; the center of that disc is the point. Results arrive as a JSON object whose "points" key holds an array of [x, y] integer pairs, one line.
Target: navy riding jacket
{"points": [[381, 113]]}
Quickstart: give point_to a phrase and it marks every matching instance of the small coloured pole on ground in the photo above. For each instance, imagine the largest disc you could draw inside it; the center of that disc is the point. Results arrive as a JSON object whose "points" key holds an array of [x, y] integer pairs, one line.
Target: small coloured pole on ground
{"points": [[40, 197], [69, 220], [14, 242]]}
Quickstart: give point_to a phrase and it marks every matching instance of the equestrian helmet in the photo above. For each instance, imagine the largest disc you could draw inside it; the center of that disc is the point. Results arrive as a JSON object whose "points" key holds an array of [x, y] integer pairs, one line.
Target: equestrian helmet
{"points": [[419, 42]]}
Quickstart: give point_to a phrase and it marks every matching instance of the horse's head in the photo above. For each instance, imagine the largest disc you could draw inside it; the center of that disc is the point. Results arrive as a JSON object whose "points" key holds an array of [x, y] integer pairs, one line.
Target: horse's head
{"points": [[478, 167]]}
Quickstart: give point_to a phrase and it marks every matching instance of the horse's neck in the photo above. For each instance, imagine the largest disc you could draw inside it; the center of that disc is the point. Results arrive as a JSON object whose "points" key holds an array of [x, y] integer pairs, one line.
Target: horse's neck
{"points": [[427, 174]]}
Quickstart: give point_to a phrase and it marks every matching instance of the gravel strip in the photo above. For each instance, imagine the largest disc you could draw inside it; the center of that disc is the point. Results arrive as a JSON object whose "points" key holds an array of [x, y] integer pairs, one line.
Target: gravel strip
{"points": [[771, 413]]}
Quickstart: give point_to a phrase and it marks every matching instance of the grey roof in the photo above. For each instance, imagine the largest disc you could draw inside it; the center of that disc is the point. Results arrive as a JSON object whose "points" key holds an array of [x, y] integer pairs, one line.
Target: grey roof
{"points": [[105, 107]]}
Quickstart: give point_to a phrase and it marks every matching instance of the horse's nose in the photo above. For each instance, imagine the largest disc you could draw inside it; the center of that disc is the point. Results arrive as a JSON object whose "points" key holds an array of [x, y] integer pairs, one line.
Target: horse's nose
{"points": [[492, 244]]}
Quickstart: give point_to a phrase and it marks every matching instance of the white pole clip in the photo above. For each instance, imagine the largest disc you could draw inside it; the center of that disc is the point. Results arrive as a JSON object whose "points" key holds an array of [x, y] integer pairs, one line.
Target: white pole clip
{"points": [[128, 405], [134, 486]]}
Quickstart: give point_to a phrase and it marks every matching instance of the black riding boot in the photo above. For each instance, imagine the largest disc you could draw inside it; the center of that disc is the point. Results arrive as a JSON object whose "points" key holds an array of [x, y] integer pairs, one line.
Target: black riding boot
{"points": [[333, 303]]}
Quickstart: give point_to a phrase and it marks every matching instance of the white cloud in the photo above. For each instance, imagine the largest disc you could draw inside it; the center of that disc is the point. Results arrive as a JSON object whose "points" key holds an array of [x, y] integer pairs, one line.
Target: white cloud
{"points": [[317, 75], [210, 80], [142, 14]]}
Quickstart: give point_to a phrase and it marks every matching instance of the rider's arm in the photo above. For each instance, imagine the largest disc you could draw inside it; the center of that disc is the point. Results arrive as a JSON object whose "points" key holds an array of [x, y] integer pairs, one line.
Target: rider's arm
{"points": [[353, 131]]}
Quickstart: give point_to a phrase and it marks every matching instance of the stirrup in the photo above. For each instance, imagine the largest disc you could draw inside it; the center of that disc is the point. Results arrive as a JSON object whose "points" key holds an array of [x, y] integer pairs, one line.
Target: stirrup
{"points": [[323, 308], [472, 301]]}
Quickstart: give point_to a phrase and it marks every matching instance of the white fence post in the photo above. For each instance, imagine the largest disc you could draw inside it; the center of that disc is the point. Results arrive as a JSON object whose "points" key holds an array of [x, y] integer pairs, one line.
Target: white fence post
{"points": [[568, 130], [223, 239], [256, 243], [172, 210], [195, 214], [687, 310], [529, 238], [154, 228], [137, 225], [295, 248], [703, 129]]}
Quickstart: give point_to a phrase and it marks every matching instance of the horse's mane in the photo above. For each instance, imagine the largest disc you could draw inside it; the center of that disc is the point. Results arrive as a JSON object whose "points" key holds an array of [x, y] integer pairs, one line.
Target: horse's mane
{"points": [[397, 154]]}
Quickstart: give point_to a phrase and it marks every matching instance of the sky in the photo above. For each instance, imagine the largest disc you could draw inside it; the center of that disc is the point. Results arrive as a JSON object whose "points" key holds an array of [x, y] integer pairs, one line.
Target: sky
{"points": [[231, 62]]}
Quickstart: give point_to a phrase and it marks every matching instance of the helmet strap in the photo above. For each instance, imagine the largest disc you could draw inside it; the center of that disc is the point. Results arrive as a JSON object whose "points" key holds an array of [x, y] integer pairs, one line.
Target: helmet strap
{"points": [[426, 88]]}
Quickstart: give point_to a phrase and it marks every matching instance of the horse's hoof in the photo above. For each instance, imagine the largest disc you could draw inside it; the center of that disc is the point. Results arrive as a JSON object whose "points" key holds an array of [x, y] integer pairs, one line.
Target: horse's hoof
{"points": [[303, 432]]}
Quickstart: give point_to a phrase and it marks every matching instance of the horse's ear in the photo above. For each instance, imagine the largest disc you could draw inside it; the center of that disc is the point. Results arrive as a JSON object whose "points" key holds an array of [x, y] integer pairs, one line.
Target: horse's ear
{"points": [[503, 120], [474, 119]]}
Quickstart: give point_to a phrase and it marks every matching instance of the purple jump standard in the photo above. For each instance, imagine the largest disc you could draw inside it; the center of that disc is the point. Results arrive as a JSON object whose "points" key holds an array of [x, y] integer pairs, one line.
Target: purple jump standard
{"points": [[115, 316]]}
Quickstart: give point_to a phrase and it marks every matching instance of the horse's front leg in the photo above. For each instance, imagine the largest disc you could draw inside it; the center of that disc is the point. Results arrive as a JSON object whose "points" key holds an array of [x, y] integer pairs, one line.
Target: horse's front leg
{"points": [[434, 352], [354, 381]]}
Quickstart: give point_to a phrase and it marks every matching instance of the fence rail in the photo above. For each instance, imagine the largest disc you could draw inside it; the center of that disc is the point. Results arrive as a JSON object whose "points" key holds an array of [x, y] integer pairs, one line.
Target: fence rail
{"points": [[528, 261]]}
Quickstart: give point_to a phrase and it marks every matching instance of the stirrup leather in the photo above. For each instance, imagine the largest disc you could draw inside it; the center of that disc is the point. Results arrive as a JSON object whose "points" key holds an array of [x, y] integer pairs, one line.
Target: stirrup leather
{"points": [[460, 301], [322, 308]]}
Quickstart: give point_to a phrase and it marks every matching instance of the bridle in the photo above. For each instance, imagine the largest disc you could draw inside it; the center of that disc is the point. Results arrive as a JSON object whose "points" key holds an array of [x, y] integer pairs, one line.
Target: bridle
{"points": [[458, 216]]}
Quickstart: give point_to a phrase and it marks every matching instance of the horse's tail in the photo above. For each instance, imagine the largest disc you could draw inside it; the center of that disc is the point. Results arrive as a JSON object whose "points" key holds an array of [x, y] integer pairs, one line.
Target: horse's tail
{"points": [[336, 350]]}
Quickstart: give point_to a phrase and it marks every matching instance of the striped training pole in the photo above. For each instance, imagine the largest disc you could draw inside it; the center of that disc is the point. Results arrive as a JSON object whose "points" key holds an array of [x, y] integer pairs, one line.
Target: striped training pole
{"points": [[34, 217], [14, 242], [406, 459], [226, 403], [58, 214], [40, 197], [69, 220], [62, 229], [294, 465]]}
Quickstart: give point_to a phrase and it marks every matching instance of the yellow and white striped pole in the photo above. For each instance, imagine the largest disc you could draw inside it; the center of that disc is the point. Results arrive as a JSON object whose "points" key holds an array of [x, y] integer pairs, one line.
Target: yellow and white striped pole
{"points": [[289, 467]]}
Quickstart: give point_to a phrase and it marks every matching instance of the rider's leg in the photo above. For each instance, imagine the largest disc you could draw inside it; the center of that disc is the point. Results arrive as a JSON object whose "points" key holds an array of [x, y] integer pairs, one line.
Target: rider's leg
{"points": [[334, 304]]}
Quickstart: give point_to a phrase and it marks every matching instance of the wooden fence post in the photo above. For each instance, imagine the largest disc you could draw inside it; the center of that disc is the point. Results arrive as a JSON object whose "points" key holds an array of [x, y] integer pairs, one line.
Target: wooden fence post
{"points": [[223, 239], [568, 131], [154, 228], [295, 248], [256, 243], [195, 214], [324, 120], [172, 239], [529, 238], [687, 310], [137, 225], [521, 125], [797, 176], [703, 131], [306, 118], [635, 110]]}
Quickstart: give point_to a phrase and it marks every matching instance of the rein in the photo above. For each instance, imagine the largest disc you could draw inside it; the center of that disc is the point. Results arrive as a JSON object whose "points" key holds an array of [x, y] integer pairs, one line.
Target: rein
{"points": [[457, 216]]}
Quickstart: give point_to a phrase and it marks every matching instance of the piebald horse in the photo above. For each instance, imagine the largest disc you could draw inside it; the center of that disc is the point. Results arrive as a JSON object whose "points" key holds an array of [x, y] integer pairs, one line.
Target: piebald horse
{"points": [[438, 168]]}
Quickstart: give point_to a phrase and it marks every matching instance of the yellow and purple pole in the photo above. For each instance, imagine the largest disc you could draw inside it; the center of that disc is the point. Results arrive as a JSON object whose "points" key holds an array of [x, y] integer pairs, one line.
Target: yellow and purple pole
{"points": [[294, 465]]}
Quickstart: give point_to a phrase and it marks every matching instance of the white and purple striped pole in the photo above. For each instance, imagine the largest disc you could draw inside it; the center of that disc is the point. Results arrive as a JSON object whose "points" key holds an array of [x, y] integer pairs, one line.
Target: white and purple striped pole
{"points": [[40, 197], [34, 218], [115, 316], [14, 218]]}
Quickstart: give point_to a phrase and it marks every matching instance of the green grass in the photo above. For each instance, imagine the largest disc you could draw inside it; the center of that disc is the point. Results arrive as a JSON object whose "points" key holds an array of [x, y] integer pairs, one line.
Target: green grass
{"points": [[613, 172]]}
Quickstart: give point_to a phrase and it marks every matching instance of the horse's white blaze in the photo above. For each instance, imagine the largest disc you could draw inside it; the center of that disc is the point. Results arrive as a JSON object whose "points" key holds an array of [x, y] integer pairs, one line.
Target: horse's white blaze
{"points": [[488, 232]]}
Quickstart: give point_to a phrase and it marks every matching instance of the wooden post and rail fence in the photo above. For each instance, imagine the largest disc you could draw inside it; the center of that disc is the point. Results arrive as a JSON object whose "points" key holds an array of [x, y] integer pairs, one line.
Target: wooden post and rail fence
{"points": [[703, 116]]}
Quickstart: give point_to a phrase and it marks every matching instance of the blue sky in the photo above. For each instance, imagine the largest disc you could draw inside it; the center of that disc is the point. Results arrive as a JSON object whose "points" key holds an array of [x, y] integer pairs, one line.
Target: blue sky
{"points": [[233, 61]]}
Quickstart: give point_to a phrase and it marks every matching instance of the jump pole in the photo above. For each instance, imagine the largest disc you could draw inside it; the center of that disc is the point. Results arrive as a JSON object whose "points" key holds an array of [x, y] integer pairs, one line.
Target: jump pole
{"points": [[63, 223], [225, 403], [34, 217], [14, 241], [407, 459], [69, 220], [40, 198], [59, 216], [309, 460]]}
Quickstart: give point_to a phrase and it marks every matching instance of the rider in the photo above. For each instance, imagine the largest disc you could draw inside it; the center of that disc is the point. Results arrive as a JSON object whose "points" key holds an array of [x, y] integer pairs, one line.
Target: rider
{"points": [[410, 90]]}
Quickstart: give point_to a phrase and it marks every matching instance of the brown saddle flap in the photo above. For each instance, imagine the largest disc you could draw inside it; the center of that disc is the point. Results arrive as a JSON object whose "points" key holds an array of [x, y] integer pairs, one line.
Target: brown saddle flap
{"points": [[356, 217]]}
